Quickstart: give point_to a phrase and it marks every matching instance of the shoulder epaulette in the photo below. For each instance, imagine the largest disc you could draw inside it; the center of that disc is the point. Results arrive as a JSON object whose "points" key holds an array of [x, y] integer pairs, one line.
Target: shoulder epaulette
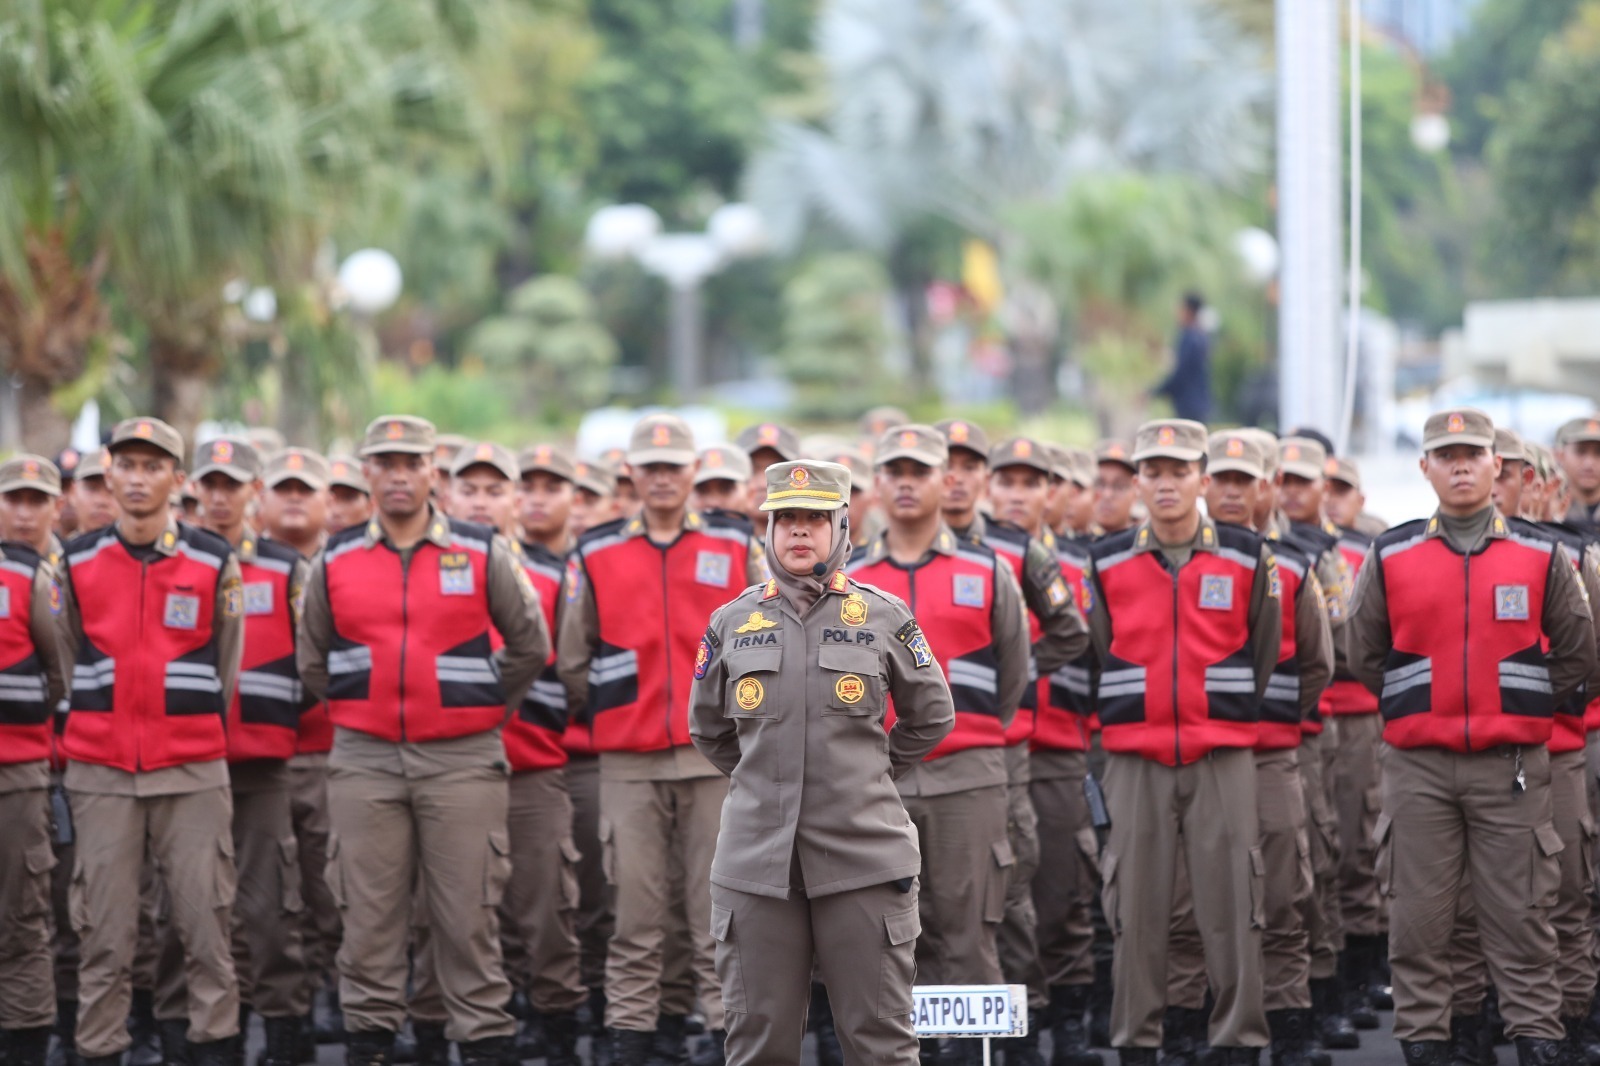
{"points": [[1113, 543]]}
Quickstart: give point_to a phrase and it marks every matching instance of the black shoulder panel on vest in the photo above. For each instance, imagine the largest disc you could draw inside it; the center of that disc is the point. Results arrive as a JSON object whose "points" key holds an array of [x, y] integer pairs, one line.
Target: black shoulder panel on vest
{"points": [[716, 516], [346, 535], [18, 552], [273, 549], [1403, 532], [604, 529], [205, 540], [1112, 543]]}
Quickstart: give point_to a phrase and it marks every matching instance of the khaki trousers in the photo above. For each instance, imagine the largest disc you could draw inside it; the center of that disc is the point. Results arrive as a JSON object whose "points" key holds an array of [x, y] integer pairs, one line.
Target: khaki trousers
{"points": [[190, 838], [644, 824], [27, 983], [1324, 923], [1207, 810], [863, 942], [542, 899], [596, 907], [1354, 740], [1448, 815], [966, 862], [446, 833], [1286, 854], [1017, 940], [1069, 868], [319, 919]]}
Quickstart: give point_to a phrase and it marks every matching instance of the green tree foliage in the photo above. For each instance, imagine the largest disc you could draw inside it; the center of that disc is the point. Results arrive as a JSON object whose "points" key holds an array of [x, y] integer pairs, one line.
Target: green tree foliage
{"points": [[1501, 49], [833, 335], [549, 347]]}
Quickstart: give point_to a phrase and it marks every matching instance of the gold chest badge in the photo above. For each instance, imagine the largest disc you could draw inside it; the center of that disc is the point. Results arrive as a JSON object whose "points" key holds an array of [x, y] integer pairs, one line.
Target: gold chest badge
{"points": [[748, 694], [853, 610], [850, 689]]}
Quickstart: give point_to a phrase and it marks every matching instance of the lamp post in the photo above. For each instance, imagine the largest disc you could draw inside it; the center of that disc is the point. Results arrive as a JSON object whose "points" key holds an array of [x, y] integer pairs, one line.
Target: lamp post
{"points": [[684, 261]]}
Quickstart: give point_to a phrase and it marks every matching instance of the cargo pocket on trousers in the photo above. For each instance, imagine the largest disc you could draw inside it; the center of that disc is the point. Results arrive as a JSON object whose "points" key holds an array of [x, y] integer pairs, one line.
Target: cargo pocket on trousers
{"points": [[731, 971], [570, 857], [333, 872], [994, 885], [1109, 892], [289, 876], [1308, 877], [1586, 843], [1088, 842], [1544, 875], [1258, 889], [496, 867], [899, 969], [39, 860], [608, 850], [1383, 855], [227, 873], [77, 900]]}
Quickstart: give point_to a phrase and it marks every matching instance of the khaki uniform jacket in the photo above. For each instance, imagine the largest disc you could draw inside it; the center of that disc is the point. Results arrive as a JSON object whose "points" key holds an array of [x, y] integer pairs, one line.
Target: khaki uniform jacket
{"points": [[791, 708]]}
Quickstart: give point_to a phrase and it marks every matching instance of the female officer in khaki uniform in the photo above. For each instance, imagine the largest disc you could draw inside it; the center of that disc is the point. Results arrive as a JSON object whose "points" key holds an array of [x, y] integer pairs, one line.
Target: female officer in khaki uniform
{"points": [[816, 855]]}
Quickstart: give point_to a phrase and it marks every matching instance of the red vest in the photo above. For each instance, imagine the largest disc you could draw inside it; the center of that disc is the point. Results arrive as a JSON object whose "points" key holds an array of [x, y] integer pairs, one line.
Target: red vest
{"points": [[1346, 695], [952, 598], [1179, 679], [1065, 704], [1467, 670], [264, 717], [145, 691], [533, 734], [1282, 722], [411, 659], [654, 603], [315, 736], [25, 718]]}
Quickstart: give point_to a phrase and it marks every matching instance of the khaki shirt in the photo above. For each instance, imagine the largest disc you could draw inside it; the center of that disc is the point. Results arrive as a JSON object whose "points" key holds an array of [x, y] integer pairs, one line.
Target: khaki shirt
{"points": [[227, 628], [792, 708], [513, 609], [1566, 619], [962, 771], [45, 602], [1265, 617]]}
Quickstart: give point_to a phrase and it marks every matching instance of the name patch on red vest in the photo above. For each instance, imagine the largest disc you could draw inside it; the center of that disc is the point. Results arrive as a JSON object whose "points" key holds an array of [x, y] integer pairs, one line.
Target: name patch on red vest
{"points": [[455, 574], [182, 612], [711, 568], [968, 590], [1216, 592], [257, 598], [1511, 603]]}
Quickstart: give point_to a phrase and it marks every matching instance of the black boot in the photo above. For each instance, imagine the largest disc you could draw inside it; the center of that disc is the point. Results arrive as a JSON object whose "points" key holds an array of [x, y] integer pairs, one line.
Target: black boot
{"points": [[595, 1023], [328, 1016], [282, 1037], [1585, 1041], [369, 1047], [490, 1051], [1241, 1056], [669, 1046], [1136, 1056], [1573, 1024], [1182, 1029], [146, 1047], [1354, 966], [600, 1050], [174, 1036], [561, 1038], [928, 1052], [405, 1045], [216, 1052], [1492, 1017], [433, 1047], [305, 1046], [1425, 1052], [1332, 1026], [1100, 1005], [1023, 1050], [1469, 1040], [27, 1047], [1291, 1030], [820, 1021], [530, 1042], [63, 1049], [1534, 1051], [631, 1047], [104, 1060], [712, 1050], [1069, 1039]]}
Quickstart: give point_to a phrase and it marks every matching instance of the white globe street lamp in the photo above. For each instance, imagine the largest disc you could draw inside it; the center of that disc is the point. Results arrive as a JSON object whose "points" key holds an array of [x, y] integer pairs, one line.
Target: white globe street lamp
{"points": [[619, 231], [1258, 252], [1430, 133], [371, 280]]}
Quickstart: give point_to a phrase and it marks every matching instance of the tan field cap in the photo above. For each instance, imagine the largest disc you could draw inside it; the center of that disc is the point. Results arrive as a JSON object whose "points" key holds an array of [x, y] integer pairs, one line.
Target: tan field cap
{"points": [[231, 456], [547, 459], [1236, 451], [346, 470], [497, 457], [596, 475], [1345, 470], [1303, 457], [403, 434], [878, 421], [29, 471], [93, 464], [724, 462], [922, 443], [1579, 430], [150, 431], [1021, 451], [781, 439], [1507, 445], [1464, 425], [445, 447], [1170, 438], [959, 433], [809, 484], [298, 464], [1114, 451], [661, 439]]}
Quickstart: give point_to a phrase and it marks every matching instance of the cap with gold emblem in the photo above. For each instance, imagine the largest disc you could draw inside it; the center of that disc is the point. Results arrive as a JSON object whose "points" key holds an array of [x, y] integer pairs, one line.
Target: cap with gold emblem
{"points": [[297, 464], [1345, 471], [860, 469], [1114, 451], [405, 434], [1302, 457], [1235, 451], [1084, 467], [1021, 451], [922, 443], [446, 446], [496, 457], [1464, 425], [546, 459], [345, 471], [1268, 443], [1579, 430], [29, 471], [151, 431], [661, 439], [724, 462], [596, 475], [781, 439], [959, 433], [807, 485], [878, 421], [1170, 438], [1507, 445], [232, 457], [93, 464]]}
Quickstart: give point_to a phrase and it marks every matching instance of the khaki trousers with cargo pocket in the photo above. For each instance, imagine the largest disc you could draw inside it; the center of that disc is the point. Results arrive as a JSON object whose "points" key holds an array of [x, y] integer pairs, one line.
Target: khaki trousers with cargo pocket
{"points": [[1069, 855], [966, 864], [27, 983]]}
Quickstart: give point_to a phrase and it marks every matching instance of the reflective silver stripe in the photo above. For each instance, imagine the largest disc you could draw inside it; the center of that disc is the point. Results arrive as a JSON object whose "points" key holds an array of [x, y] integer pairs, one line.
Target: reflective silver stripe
{"points": [[21, 688], [601, 543], [1072, 678], [1525, 677], [16, 568], [270, 686], [1125, 688], [1283, 687], [470, 543], [1230, 679], [1033, 670], [974, 557], [466, 671], [102, 674], [350, 661], [549, 694], [972, 675], [544, 570], [1239, 558], [1404, 545], [608, 668], [724, 533], [193, 677], [277, 566], [1003, 547], [79, 558], [1413, 675], [1536, 544], [1294, 566], [192, 669], [330, 554], [203, 557], [1118, 559]]}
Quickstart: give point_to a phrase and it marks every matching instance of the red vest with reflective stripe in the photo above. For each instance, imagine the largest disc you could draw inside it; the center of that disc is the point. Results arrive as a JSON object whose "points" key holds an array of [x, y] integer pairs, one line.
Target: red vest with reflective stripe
{"points": [[1282, 722], [1467, 671], [264, 717], [654, 603], [145, 693], [25, 718], [533, 734], [1065, 705], [952, 598], [1179, 679], [410, 659], [1346, 695], [315, 736]]}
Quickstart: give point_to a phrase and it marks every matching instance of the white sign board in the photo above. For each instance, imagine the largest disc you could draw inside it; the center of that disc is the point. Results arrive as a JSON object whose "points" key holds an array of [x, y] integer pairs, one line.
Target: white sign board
{"points": [[970, 1010]]}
